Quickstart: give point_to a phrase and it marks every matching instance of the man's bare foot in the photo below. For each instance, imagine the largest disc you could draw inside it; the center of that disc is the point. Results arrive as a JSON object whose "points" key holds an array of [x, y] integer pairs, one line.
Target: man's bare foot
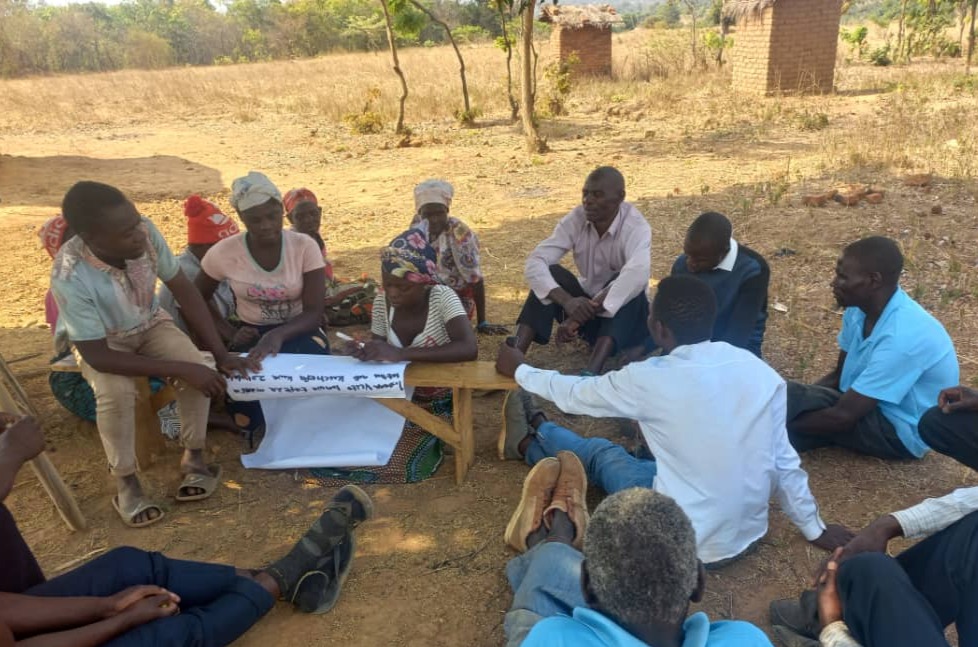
{"points": [[130, 494], [223, 420], [193, 462]]}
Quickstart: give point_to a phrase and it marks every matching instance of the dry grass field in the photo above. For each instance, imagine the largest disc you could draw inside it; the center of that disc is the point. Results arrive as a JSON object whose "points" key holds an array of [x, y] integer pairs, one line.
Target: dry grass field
{"points": [[430, 567]]}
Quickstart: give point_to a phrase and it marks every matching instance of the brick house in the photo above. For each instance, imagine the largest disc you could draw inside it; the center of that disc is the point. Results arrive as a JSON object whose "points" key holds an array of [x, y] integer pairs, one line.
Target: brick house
{"points": [[584, 30], [784, 45]]}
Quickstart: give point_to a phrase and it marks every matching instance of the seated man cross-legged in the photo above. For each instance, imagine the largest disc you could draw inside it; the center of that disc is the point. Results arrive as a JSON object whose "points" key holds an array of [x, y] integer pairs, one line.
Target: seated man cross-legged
{"points": [[712, 414], [612, 246], [630, 586], [738, 275], [868, 598], [133, 598], [894, 359]]}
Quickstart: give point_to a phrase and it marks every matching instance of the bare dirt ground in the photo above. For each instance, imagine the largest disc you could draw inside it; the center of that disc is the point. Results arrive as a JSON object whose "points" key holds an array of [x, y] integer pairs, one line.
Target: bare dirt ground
{"points": [[430, 567]]}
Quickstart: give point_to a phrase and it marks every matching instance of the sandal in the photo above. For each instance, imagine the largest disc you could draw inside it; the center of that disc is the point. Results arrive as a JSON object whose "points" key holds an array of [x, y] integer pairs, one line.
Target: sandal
{"points": [[200, 481], [318, 591], [141, 506]]}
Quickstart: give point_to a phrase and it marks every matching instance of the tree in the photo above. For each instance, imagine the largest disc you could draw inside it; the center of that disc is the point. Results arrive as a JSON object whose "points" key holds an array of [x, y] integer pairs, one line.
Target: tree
{"points": [[534, 144], [504, 9], [389, 26], [971, 37], [466, 116]]}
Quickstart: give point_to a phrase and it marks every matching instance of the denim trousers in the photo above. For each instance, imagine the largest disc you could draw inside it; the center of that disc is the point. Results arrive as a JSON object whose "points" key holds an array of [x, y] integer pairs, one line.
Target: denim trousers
{"points": [[546, 581]]}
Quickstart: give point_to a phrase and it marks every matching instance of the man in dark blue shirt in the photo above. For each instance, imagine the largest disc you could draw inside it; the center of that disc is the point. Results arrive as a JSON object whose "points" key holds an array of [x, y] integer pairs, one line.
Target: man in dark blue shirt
{"points": [[738, 275]]}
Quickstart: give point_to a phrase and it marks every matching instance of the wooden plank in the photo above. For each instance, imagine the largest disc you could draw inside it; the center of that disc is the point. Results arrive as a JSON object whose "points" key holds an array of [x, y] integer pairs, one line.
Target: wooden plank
{"points": [[44, 470], [466, 375], [462, 419], [149, 438], [430, 422]]}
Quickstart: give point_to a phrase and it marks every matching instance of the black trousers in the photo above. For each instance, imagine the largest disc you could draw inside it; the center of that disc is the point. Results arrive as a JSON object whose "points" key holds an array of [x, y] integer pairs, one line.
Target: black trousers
{"points": [[952, 434], [873, 435], [907, 601], [629, 327]]}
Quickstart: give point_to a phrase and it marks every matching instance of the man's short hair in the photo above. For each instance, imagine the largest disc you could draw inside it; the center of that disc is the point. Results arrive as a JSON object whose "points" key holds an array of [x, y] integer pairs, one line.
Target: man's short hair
{"points": [[640, 552], [686, 306], [878, 254], [713, 227], [610, 173], [86, 201]]}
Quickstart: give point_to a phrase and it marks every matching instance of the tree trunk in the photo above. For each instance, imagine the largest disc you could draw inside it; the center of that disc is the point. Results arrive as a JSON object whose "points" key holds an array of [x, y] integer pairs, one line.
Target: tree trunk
{"points": [[692, 20], [467, 115], [533, 142], [513, 106], [399, 129], [971, 36], [900, 29]]}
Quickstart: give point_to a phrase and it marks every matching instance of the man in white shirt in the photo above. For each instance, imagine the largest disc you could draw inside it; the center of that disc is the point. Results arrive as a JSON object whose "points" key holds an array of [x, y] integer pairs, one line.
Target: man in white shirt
{"points": [[905, 601], [612, 246], [712, 414]]}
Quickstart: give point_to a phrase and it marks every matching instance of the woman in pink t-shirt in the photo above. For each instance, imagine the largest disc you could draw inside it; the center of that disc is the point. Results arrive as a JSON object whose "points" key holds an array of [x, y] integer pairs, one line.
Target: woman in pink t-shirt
{"points": [[277, 278]]}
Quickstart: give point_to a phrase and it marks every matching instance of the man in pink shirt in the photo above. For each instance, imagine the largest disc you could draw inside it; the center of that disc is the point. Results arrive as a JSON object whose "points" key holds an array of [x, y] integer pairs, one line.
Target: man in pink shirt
{"points": [[612, 246]]}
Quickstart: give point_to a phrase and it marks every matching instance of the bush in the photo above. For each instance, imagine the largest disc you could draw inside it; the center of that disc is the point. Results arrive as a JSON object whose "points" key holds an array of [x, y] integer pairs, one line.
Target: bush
{"points": [[558, 75], [367, 121], [470, 34], [812, 120], [881, 56]]}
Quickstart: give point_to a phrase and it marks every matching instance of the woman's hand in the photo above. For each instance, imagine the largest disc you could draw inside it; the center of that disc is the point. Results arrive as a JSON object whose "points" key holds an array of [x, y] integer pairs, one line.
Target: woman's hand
{"points": [[269, 345], [116, 604], [378, 351]]}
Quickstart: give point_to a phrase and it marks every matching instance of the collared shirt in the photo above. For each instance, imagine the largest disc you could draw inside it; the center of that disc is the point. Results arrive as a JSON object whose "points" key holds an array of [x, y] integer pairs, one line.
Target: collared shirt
{"points": [[714, 417], [904, 363], [588, 628], [458, 253], [625, 249], [728, 261], [98, 301], [190, 264], [934, 515]]}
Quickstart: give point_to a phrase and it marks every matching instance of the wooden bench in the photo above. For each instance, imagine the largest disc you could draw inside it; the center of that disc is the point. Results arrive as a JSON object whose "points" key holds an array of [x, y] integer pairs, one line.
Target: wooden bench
{"points": [[463, 378], [14, 400]]}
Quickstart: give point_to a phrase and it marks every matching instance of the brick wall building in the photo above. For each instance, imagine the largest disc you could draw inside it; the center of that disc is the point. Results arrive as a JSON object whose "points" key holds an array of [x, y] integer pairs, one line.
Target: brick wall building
{"points": [[584, 31], [784, 45]]}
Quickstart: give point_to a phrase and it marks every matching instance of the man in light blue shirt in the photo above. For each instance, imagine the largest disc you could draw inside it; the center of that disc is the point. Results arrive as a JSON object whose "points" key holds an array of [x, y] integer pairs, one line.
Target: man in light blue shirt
{"points": [[631, 586], [894, 360]]}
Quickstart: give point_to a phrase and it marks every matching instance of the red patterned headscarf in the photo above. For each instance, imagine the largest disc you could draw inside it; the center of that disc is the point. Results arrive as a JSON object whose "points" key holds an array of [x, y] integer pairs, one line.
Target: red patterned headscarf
{"points": [[295, 196]]}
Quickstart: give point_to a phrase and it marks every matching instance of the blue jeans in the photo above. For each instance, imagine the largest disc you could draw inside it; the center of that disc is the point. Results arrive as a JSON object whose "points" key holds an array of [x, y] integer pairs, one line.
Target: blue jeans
{"points": [[546, 581], [217, 606], [608, 465]]}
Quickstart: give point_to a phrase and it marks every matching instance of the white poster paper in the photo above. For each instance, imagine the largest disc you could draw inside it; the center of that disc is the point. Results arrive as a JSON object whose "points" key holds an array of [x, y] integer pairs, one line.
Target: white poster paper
{"points": [[319, 413]]}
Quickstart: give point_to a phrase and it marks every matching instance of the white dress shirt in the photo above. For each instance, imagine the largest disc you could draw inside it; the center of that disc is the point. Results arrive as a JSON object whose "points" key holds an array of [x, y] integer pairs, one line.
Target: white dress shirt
{"points": [[934, 515], [714, 417], [727, 264], [625, 249]]}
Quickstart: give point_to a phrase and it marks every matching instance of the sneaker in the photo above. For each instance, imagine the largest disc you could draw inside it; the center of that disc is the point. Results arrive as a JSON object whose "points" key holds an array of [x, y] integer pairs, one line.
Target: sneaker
{"points": [[569, 495], [538, 491], [515, 426], [799, 615], [788, 638], [350, 507]]}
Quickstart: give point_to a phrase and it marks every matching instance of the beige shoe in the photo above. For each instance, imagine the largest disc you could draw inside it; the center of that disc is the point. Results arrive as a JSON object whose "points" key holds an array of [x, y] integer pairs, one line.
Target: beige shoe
{"points": [[569, 495], [538, 489]]}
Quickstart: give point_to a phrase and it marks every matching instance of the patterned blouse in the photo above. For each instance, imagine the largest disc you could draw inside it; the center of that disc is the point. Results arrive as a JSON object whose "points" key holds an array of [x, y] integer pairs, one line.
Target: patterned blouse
{"points": [[458, 253]]}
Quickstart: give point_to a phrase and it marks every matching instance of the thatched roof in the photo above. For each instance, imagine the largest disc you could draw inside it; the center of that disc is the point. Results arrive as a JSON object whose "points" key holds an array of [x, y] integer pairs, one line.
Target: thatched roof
{"points": [[740, 9], [578, 16]]}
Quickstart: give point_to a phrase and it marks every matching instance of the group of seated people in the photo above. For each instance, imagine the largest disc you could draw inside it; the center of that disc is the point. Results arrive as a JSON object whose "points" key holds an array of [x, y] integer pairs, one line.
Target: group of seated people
{"points": [[723, 430]]}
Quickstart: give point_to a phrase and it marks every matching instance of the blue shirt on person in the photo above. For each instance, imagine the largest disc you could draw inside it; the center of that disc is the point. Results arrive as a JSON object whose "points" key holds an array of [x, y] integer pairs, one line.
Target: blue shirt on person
{"points": [[588, 628], [904, 364]]}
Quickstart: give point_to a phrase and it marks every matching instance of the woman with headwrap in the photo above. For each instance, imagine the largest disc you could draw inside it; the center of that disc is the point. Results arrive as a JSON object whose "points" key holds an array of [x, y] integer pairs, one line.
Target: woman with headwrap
{"points": [[414, 319], [457, 250], [277, 278]]}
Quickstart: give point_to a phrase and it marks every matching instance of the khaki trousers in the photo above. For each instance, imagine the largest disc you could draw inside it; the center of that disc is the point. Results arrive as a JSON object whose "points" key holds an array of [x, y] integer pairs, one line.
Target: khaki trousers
{"points": [[115, 395]]}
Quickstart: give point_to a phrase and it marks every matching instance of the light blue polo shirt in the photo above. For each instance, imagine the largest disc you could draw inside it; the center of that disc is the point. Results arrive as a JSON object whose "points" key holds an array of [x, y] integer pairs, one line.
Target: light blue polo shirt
{"points": [[904, 364], [98, 301], [588, 628]]}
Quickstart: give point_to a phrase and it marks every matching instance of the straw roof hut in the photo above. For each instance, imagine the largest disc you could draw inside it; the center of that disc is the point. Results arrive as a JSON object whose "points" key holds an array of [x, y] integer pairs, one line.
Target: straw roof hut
{"points": [[583, 31]]}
